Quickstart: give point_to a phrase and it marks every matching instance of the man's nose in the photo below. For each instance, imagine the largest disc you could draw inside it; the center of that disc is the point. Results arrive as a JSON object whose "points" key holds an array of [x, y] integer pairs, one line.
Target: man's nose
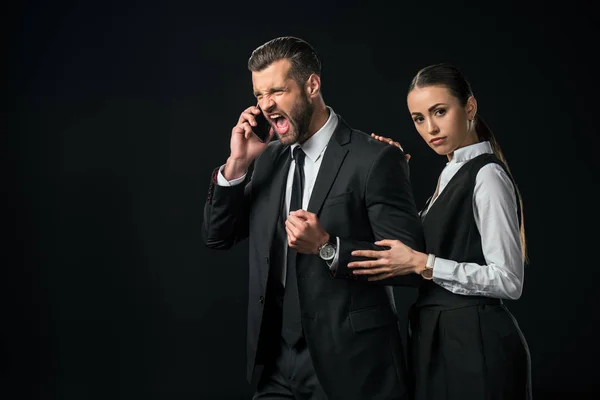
{"points": [[266, 104]]}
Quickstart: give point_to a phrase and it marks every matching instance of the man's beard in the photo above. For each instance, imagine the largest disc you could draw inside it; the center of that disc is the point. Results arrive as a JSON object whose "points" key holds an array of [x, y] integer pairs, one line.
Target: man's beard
{"points": [[300, 117]]}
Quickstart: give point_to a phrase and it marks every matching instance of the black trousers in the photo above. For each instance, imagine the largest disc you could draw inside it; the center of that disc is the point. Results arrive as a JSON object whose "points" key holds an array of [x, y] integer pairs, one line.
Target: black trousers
{"points": [[290, 375], [288, 372]]}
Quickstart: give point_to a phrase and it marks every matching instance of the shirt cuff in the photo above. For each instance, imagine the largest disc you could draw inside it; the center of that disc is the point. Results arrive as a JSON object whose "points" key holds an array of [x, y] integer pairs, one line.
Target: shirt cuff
{"points": [[443, 269], [334, 263], [221, 181]]}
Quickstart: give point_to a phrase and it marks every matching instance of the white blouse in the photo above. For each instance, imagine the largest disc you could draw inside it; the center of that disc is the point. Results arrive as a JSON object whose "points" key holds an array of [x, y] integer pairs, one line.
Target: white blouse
{"points": [[496, 215]]}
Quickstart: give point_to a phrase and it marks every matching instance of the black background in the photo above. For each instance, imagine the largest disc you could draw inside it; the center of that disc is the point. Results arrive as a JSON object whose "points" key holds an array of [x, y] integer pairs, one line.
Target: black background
{"points": [[117, 113]]}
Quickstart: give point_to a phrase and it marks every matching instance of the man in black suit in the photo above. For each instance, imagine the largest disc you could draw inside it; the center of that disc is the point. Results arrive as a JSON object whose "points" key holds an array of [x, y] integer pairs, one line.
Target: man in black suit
{"points": [[320, 191]]}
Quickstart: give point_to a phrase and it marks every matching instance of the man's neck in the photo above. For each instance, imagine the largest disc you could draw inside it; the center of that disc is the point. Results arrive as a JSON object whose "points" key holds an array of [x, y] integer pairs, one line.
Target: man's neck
{"points": [[319, 118]]}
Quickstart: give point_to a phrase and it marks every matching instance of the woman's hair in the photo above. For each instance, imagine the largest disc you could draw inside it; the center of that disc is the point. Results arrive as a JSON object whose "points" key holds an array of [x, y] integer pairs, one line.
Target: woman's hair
{"points": [[451, 78]]}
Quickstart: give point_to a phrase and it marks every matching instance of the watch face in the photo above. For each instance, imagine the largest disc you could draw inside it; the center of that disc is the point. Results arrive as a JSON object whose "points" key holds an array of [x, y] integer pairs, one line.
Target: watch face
{"points": [[427, 273], [327, 252]]}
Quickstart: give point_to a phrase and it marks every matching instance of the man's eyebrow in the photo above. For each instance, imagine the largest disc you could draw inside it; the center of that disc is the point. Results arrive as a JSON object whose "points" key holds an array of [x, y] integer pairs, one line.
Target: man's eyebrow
{"points": [[273, 89]]}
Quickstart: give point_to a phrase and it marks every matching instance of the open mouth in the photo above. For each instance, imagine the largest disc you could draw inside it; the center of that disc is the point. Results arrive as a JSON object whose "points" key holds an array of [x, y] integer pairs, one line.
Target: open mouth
{"points": [[280, 123]]}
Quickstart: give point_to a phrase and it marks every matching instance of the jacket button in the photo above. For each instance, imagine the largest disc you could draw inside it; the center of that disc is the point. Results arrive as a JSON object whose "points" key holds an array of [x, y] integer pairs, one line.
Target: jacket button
{"points": [[261, 299], [267, 260]]}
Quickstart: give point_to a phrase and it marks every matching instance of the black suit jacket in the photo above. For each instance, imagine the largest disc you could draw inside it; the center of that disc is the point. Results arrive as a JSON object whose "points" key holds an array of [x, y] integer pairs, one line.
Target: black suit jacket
{"points": [[362, 194]]}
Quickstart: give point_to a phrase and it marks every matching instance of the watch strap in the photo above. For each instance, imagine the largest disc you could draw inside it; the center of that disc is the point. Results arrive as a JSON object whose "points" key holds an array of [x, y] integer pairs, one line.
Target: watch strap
{"points": [[427, 273]]}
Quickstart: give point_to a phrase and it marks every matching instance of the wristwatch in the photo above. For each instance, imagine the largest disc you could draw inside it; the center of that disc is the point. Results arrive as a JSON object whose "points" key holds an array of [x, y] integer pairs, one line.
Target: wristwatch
{"points": [[327, 250], [427, 273]]}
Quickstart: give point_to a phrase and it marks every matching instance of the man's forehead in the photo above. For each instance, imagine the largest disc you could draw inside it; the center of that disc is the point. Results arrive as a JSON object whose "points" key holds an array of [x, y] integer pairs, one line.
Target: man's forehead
{"points": [[263, 77], [270, 77]]}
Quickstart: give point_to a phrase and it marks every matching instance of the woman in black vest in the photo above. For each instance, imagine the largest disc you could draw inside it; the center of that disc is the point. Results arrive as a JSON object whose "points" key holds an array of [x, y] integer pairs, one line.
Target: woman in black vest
{"points": [[465, 344]]}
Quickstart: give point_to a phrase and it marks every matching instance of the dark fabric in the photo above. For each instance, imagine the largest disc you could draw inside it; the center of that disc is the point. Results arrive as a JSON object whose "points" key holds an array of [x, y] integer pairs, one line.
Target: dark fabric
{"points": [[475, 352], [362, 194], [291, 329], [464, 347], [271, 324], [290, 375], [449, 225]]}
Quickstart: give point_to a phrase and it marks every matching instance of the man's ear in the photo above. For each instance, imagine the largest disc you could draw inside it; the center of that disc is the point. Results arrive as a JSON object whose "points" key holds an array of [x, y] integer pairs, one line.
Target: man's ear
{"points": [[313, 85]]}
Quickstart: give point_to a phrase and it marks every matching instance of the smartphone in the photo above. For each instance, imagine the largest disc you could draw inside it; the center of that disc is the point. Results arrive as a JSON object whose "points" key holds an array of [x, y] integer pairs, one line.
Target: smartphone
{"points": [[262, 128]]}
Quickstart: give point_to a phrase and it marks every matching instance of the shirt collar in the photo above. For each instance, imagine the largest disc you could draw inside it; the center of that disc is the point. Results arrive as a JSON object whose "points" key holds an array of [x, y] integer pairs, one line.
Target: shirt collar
{"points": [[467, 153], [315, 145]]}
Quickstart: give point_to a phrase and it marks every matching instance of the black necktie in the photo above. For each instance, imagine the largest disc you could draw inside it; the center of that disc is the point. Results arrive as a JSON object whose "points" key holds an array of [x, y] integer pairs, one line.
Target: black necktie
{"points": [[292, 326]]}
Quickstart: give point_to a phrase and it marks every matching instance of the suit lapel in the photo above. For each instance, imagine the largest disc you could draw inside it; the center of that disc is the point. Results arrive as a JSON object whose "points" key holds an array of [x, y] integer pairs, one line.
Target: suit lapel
{"points": [[279, 168], [332, 161]]}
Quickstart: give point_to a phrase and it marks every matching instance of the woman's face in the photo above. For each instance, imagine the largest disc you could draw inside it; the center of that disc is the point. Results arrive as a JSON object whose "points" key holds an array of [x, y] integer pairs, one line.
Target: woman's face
{"points": [[444, 123]]}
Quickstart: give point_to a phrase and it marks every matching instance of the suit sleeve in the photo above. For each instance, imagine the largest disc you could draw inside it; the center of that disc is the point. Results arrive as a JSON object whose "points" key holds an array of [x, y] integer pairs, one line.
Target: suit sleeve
{"points": [[392, 215], [226, 214]]}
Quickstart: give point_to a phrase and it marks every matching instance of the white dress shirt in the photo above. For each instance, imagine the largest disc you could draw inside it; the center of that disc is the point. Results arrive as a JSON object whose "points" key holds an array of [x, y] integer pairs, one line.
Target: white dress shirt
{"points": [[314, 148], [496, 215]]}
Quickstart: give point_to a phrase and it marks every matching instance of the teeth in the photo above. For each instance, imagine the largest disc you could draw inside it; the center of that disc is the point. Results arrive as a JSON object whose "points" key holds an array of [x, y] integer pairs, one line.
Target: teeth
{"points": [[274, 116]]}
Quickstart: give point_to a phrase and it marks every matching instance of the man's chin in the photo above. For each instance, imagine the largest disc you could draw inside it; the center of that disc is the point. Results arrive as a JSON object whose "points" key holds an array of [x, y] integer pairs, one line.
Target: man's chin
{"points": [[287, 139]]}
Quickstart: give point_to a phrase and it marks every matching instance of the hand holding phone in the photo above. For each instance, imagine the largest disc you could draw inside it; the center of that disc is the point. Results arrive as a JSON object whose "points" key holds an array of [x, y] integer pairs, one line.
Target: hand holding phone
{"points": [[244, 149]]}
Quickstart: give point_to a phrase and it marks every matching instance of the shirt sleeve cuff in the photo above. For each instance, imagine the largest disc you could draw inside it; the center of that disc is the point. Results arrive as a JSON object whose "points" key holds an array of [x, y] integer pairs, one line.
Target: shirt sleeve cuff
{"points": [[221, 181], [443, 269]]}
